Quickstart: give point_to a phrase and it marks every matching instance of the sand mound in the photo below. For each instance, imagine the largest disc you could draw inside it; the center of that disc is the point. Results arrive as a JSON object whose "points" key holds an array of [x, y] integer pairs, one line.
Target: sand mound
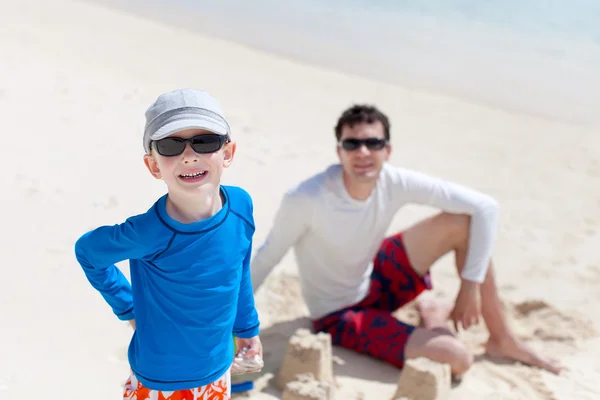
{"points": [[306, 387], [545, 322]]}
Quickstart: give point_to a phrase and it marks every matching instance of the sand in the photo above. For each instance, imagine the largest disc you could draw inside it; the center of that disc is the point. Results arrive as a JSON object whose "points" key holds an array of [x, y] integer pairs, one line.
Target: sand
{"points": [[307, 387], [75, 80]]}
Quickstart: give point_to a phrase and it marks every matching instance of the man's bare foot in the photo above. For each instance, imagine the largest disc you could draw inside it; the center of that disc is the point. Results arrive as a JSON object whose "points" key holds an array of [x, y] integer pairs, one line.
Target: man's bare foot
{"points": [[517, 350], [434, 313]]}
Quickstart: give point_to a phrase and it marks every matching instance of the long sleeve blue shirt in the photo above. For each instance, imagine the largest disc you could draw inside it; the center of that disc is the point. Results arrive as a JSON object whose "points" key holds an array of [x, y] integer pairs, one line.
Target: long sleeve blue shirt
{"points": [[190, 288]]}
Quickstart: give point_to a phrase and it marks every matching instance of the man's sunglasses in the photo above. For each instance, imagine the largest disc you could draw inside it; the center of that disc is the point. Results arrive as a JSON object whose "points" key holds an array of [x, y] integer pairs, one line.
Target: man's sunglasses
{"points": [[352, 144], [202, 144]]}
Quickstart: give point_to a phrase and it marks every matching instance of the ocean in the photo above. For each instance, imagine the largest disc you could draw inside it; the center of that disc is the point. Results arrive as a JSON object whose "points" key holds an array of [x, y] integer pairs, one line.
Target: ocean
{"points": [[540, 57]]}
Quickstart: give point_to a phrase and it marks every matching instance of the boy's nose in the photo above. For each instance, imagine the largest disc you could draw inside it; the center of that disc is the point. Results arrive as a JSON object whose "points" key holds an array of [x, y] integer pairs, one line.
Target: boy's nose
{"points": [[189, 155]]}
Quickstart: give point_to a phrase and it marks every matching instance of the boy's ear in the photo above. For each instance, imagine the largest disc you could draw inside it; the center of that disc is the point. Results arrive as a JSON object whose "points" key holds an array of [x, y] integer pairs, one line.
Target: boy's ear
{"points": [[152, 166], [228, 153]]}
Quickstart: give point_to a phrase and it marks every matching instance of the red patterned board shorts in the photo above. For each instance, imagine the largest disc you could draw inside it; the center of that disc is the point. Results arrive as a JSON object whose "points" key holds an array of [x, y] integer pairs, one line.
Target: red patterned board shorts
{"points": [[218, 390], [369, 327]]}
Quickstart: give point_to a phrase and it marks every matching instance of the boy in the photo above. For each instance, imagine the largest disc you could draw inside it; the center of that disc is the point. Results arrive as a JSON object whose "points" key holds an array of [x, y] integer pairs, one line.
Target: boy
{"points": [[189, 258]]}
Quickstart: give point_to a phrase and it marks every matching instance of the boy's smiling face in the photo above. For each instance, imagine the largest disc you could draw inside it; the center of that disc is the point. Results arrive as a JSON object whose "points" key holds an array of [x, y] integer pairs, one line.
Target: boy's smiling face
{"points": [[190, 172]]}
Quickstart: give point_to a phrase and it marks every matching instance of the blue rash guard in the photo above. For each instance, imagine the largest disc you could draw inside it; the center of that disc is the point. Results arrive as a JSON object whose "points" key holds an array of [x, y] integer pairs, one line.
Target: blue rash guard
{"points": [[190, 288]]}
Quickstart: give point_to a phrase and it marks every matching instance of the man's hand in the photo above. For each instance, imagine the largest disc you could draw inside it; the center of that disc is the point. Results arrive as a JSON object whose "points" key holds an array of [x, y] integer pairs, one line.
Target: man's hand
{"points": [[132, 323], [466, 307]]}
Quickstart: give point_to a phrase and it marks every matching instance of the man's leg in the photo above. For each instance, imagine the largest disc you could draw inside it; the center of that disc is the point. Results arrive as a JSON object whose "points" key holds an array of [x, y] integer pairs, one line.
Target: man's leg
{"points": [[379, 334], [434, 237], [370, 328]]}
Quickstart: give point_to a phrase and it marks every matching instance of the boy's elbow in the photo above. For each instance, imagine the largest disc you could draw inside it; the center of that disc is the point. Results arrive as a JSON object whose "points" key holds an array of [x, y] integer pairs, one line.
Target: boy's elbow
{"points": [[80, 250], [79, 247]]}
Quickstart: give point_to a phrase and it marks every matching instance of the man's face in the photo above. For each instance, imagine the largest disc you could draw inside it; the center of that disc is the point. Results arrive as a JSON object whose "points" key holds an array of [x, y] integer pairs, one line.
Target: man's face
{"points": [[362, 161]]}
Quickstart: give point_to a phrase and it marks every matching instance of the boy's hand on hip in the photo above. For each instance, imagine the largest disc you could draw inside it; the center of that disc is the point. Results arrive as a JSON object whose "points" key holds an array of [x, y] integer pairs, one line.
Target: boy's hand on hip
{"points": [[132, 323], [466, 307]]}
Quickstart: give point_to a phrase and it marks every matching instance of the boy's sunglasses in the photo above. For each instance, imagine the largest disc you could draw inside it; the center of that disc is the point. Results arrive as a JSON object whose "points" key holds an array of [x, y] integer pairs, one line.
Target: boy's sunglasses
{"points": [[202, 144], [352, 144]]}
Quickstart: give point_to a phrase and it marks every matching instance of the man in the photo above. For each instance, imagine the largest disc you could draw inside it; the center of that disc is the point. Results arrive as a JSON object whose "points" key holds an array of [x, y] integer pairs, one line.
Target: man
{"points": [[353, 278]]}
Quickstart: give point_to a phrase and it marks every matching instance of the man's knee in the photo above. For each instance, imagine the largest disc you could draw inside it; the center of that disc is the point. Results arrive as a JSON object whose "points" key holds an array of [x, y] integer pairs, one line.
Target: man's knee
{"points": [[462, 358], [440, 346], [456, 354]]}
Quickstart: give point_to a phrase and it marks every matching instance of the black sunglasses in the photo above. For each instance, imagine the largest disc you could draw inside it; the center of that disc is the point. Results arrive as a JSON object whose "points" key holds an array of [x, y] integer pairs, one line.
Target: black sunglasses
{"points": [[352, 144], [202, 144]]}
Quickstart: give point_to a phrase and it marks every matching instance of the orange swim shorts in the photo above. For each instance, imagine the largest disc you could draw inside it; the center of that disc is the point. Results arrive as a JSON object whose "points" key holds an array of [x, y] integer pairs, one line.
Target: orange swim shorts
{"points": [[218, 390]]}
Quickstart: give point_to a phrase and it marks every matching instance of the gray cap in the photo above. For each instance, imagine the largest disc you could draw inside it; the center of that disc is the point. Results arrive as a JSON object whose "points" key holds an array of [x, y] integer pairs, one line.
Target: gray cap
{"points": [[180, 110]]}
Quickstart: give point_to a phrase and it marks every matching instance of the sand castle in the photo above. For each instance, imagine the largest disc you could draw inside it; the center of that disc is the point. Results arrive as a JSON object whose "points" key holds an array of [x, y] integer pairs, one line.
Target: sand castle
{"points": [[307, 373], [423, 379], [307, 353]]}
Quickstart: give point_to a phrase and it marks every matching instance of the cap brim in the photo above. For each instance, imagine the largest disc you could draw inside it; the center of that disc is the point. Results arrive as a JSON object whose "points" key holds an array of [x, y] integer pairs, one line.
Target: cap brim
{"points": [[192, 123]]}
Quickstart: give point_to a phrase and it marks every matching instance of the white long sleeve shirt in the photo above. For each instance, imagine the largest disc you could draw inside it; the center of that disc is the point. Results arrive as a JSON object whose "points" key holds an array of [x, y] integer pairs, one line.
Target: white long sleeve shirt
{"points": [[335, 237]]}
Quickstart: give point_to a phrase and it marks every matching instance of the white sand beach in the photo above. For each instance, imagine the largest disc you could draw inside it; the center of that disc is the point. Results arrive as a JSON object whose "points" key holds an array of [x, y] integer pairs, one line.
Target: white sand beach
{"points": [[75, 80]]}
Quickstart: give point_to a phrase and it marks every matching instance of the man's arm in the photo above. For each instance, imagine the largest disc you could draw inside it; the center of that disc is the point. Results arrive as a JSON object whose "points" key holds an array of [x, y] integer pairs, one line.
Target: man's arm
{"points": [[98, 251], [453, 198], [290, 222]]}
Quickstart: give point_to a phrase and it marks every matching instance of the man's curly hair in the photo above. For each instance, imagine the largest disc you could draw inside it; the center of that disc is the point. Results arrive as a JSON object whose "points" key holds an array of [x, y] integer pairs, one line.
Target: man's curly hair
{"points": [[360, 113]]}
